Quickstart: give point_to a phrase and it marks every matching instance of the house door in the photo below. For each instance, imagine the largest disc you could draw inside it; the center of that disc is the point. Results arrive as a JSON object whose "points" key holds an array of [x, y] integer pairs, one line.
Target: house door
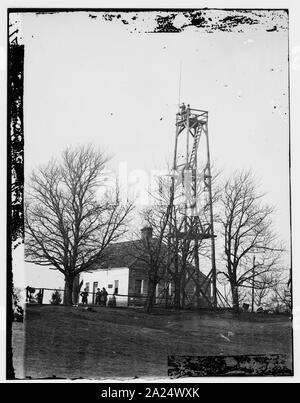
{"points": [[95, 286], [116, 290]]}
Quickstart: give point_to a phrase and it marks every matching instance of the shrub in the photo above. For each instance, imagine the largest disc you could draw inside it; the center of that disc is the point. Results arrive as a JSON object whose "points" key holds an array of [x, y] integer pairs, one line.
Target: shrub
{"points": [[56, 298]]}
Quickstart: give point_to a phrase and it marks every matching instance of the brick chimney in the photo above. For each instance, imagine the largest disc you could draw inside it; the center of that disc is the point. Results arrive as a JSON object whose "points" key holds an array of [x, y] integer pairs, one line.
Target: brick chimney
{"points": [[146, 233]]}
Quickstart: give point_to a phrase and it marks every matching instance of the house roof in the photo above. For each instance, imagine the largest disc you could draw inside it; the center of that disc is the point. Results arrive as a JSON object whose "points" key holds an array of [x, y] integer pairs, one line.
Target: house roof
{"points": [[128, 254], [122, 254]]}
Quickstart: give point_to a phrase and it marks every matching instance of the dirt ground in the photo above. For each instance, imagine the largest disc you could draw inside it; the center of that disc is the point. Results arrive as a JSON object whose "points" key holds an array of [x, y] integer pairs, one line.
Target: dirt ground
{"points": [[69, 342]]}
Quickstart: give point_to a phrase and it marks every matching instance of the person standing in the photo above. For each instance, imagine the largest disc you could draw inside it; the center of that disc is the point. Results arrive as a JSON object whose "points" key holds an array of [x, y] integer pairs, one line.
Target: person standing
{"points": [[84, 296], [182, 107], [104, 296], [98, 297]]}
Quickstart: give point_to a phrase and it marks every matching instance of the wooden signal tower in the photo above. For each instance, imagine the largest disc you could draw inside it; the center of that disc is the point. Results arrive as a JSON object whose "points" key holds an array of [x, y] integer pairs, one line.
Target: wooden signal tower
{"points": [[191, 127]]}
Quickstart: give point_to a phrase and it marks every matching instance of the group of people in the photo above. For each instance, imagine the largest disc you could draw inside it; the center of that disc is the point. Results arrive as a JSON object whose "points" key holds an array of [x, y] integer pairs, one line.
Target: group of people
{"points": [[101, 297]]}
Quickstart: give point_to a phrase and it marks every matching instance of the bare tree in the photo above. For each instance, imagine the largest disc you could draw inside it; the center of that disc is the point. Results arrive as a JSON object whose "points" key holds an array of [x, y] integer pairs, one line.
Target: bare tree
{"points": [[166, 255], [67, 226], [152, 251], [262, 288], [171, 253], [159, 252], [281, 295], [247, 231]]}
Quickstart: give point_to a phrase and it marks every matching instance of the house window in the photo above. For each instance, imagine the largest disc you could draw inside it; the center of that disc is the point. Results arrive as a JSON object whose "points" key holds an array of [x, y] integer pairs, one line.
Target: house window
{"points": [[87, 286], [116, 287], [138, 286]]}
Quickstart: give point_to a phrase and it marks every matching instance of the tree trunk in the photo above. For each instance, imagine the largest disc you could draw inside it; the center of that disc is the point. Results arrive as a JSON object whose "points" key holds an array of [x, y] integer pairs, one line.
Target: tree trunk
{"points": [[197, 268], [183, 294], [177, 292], [235, 297], [150, 296], [176, 277], [253, 277], [69, 281], [76, 289]]}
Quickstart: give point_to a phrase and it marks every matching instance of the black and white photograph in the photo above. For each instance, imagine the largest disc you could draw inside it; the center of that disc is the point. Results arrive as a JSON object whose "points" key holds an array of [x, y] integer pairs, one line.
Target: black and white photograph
{"points": [[149, 194]]}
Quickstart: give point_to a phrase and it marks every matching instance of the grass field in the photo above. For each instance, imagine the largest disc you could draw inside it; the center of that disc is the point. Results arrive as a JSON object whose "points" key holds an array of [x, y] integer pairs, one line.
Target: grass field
{"points": [[69, 342]]}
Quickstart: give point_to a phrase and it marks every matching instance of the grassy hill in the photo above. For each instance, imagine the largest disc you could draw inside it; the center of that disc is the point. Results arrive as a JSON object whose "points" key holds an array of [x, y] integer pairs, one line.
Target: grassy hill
{"points": [[69, 342]]}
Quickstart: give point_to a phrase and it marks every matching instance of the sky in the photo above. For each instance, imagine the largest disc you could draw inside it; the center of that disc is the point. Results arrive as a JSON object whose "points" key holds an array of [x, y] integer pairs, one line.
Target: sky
{"points": [[116, 85]]}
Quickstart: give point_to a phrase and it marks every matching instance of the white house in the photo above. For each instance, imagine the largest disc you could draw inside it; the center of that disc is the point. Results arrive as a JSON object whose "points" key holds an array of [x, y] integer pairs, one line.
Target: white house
{"points": [[126, 277], [115, 280]]}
